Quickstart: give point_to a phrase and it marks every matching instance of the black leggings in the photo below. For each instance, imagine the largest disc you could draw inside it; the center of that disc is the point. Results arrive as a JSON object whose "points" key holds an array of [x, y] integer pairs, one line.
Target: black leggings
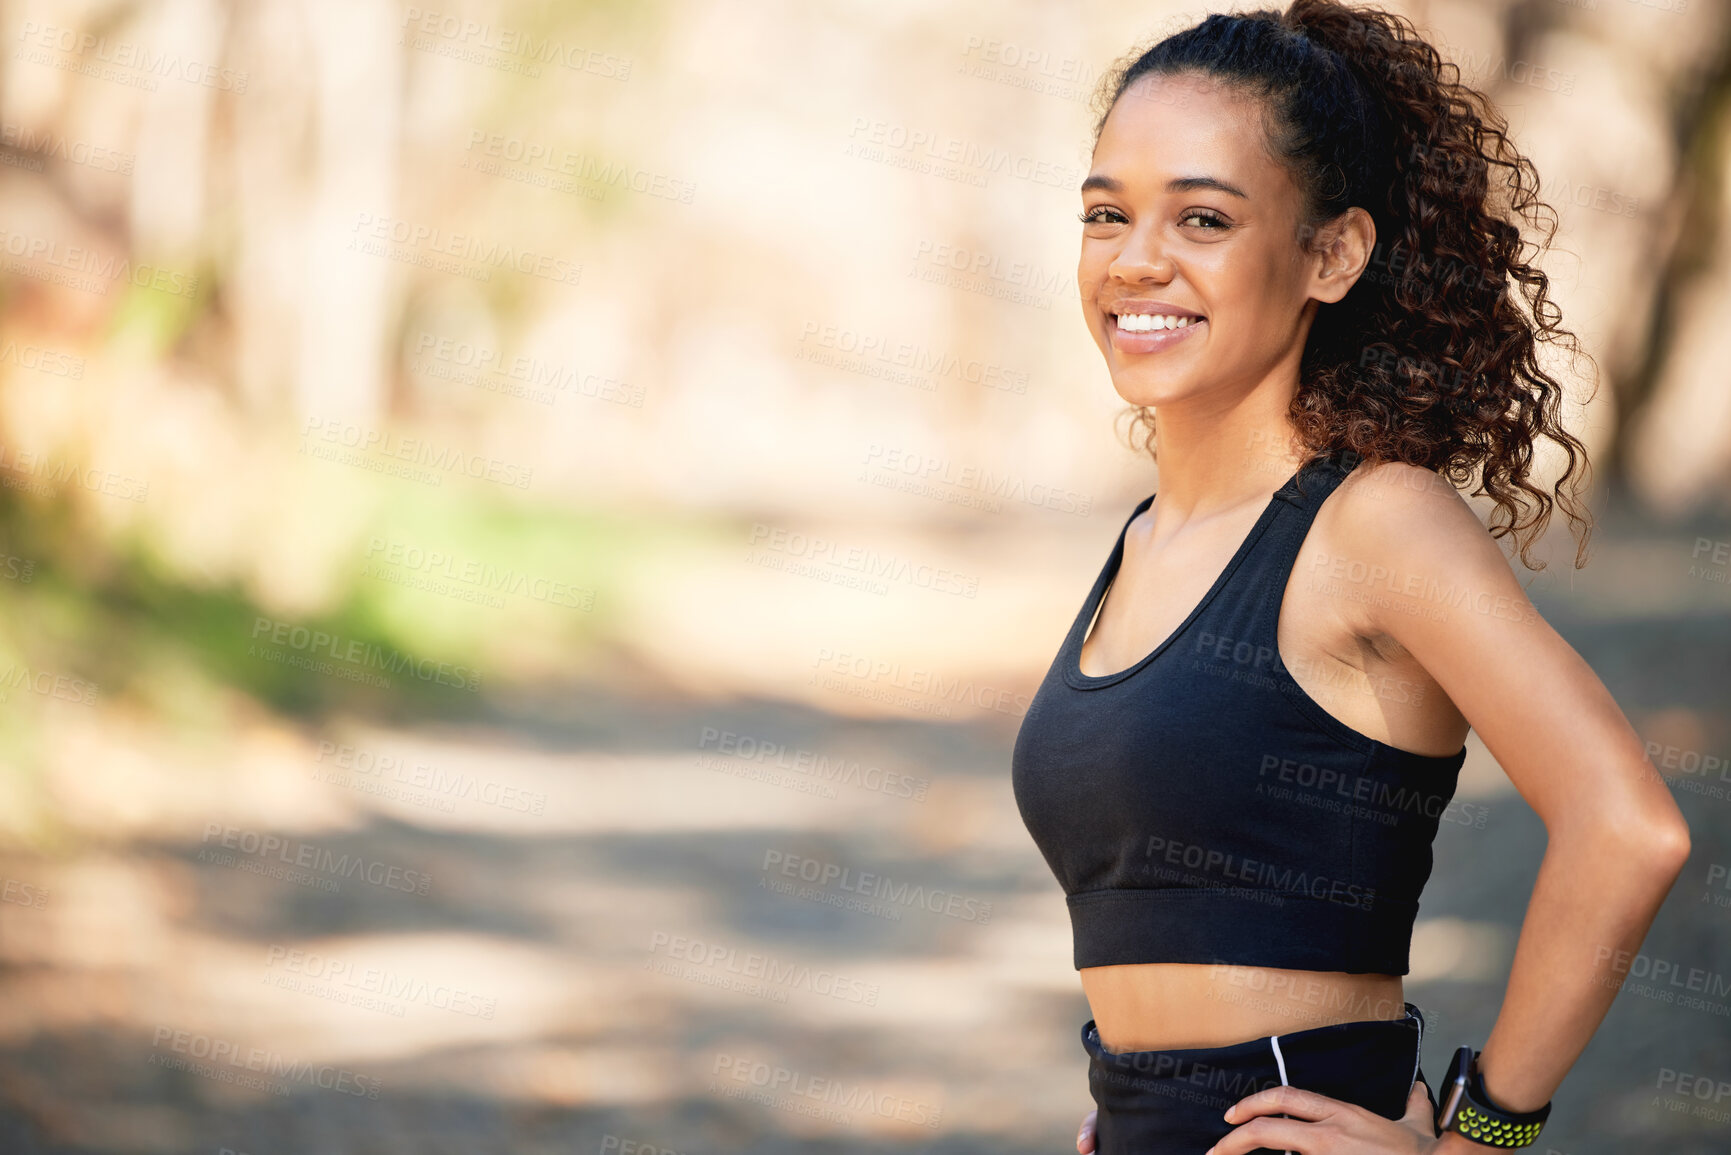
{"points": [[1171, 1102]]}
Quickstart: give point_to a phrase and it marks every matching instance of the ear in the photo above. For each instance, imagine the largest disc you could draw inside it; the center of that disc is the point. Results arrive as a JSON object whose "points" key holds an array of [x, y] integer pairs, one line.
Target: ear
{"points": [[1343, 250]]}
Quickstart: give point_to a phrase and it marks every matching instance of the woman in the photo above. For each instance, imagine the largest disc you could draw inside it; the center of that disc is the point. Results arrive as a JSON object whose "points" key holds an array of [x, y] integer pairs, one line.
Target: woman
{"points": [[1291, 252]]}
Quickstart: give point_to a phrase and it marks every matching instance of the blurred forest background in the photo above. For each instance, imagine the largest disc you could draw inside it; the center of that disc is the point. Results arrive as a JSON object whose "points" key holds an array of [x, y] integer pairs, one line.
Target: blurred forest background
{"points": [[499, 498]]}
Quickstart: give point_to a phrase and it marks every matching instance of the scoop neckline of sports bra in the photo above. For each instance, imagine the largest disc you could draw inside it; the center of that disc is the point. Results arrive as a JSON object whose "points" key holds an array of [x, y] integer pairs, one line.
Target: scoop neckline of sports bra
{"points": [[1356, 739], [1073, 660]]}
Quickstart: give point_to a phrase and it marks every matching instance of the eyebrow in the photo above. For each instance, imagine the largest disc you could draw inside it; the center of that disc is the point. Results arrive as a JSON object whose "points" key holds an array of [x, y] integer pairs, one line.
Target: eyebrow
{"points": [[1175, 185]]}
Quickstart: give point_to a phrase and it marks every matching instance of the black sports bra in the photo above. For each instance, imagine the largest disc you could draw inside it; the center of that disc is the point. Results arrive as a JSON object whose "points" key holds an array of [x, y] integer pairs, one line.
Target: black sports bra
{"points": [[1201, 807]]}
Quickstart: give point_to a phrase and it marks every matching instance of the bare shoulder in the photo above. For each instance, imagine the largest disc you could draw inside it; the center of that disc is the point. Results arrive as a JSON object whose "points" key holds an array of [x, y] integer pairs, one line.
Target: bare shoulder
{"points": [[1392, 508], [1423, 542], [1417, 565]]}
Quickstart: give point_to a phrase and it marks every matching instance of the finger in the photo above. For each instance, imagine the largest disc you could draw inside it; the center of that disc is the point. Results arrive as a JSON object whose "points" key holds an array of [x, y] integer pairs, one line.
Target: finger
{"points": [[1276, 1134], [1419, 1112], [1085, 1137], [1287, 1101]]}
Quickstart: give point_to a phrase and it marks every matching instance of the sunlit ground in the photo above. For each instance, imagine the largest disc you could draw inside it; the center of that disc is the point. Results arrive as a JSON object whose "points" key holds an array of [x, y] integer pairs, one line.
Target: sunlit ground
{"points": [[556, 917]]}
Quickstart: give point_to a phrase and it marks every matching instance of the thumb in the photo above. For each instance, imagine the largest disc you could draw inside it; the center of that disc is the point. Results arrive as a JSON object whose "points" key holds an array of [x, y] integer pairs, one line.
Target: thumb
{"points": [[1420, 1114], [1085, 1137]]}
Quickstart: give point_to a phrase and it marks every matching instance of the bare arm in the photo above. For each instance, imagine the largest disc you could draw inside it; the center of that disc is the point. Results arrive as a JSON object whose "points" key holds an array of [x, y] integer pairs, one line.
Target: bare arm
{"points": [[1616, 842]]}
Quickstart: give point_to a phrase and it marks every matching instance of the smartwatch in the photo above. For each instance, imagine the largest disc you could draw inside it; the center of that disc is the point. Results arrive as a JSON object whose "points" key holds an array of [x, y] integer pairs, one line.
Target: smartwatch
{"points": [[1467, 1109]]}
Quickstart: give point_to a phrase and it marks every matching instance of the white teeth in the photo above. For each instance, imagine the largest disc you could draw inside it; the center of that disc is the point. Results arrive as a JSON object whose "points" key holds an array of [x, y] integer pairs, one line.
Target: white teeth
{"points": [[1148, 322]]}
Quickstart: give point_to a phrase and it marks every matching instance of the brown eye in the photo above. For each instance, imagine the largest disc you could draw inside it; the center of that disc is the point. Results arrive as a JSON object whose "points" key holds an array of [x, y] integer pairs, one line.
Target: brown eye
{"points": [[1217, 222], [1092, 216]]}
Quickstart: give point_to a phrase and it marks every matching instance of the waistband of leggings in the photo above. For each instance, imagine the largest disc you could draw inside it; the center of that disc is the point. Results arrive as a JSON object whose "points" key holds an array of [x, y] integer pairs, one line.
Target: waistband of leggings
{"points": [[1256, 1048]]}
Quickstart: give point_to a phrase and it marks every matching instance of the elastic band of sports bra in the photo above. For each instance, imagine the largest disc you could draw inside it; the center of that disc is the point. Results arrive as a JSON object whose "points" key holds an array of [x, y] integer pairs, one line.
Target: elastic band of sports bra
{"points": [[1184, 925]]}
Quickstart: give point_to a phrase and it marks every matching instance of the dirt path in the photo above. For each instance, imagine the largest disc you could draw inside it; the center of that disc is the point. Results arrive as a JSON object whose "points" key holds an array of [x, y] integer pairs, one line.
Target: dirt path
{"points": [[618, 923]]}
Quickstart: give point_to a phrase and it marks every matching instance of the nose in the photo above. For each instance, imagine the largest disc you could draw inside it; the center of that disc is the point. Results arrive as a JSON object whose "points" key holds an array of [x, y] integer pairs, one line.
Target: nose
{"points": [[1141, 258]]}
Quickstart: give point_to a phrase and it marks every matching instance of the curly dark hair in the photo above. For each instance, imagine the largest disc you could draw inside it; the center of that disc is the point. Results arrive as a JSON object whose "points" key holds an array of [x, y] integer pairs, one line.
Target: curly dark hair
{"points": [[1428, 359]]}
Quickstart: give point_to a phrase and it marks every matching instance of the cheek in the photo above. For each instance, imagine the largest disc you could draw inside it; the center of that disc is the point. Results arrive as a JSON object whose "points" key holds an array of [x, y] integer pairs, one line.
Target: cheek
{"points": [[1090, 275], [1250, 299], [1094, 261]]}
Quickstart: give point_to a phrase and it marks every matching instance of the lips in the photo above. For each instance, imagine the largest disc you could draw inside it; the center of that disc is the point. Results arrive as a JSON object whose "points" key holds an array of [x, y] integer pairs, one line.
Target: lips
{"points": [[1152, 336]]}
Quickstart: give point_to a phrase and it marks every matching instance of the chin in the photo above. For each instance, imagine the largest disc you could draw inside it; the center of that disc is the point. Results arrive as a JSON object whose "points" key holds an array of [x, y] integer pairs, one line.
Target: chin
{"points": [[1145, 388]]}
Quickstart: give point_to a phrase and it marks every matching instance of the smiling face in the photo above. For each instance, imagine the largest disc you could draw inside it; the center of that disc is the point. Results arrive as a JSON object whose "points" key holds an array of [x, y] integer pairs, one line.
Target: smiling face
{"points": [[1186, 214]]}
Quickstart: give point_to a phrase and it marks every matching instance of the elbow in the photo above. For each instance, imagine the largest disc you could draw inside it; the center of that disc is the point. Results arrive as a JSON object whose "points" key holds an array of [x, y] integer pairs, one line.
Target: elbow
{"points": [[1670, 845], [1657, 845], [1662, 845]]}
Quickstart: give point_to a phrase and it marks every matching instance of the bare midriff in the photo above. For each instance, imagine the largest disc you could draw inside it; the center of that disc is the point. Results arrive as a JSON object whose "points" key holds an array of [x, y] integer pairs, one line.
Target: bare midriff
{"points": [[1166, 1006]]}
